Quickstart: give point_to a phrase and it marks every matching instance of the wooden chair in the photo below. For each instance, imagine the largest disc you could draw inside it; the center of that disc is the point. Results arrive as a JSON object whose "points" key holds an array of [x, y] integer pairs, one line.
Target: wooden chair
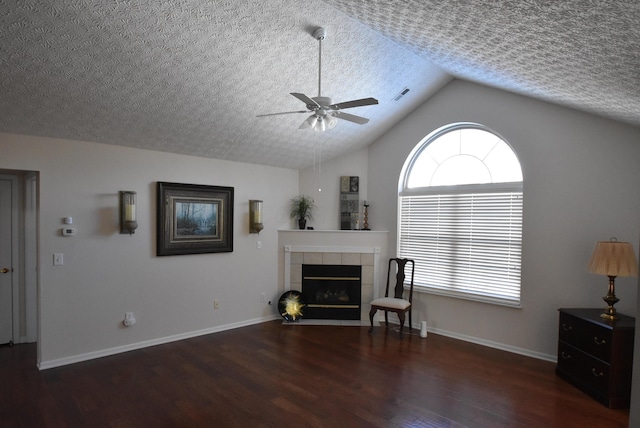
{"points": [[397, 303]]}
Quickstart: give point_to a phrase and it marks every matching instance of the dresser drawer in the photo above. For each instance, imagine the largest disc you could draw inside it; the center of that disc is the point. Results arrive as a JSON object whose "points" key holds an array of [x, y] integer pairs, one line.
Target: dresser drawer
{"points": [[591, 372], [591, 338], [596, 354]]}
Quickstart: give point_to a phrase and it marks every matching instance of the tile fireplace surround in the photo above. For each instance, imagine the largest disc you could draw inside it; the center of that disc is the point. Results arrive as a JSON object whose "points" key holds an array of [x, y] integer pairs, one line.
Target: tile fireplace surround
{"points": [[365, 248]]}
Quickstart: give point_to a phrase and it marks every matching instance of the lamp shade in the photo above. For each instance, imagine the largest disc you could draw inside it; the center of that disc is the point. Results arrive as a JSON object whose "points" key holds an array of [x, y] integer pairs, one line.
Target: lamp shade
{"points": [[331, 121], [310, 122], [613, 258], [320, 125]]}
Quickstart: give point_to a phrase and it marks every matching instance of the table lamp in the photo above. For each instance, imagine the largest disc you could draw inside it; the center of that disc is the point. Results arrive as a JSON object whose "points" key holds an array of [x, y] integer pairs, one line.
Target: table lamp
{"points": [[612, 258]]}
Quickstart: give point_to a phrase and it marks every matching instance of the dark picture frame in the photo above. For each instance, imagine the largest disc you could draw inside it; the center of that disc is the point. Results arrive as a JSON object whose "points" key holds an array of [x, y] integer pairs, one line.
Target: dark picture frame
{"points": [[194, 219]]}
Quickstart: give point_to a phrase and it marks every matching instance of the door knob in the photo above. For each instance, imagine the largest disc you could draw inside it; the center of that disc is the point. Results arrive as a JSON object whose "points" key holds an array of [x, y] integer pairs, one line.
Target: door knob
{"points": [[5, 270]]}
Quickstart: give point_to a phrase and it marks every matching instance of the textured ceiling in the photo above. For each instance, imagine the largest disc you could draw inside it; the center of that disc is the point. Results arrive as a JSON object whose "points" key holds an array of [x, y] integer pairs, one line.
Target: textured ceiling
{"points": [[583, 54], [190, 76]]}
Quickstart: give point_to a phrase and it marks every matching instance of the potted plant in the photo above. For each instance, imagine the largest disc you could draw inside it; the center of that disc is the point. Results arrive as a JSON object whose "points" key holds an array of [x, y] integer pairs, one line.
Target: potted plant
{"points": [[302, 208]]}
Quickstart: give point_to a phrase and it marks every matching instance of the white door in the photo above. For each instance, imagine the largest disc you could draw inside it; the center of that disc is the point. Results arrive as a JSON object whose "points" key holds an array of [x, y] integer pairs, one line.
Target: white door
{"points": [[6, 270]]}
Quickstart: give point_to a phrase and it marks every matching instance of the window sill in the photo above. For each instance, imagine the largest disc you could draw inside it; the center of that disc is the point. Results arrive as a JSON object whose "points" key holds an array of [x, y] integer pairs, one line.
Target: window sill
{"points": [[471, 297]]}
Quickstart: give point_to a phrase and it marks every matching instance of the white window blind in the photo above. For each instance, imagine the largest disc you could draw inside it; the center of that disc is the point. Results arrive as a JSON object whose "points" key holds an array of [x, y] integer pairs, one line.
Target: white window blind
{"points": [[465, 245]]}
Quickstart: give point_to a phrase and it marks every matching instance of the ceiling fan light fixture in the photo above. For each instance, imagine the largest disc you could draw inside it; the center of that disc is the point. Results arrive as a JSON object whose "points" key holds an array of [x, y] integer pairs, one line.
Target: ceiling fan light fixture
{"points": [[331, 122], [310, 122], [320, 125]]}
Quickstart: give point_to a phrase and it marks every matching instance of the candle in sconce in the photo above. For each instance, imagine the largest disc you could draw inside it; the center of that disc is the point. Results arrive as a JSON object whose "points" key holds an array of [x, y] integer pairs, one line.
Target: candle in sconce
{"points": [[130, 213]]}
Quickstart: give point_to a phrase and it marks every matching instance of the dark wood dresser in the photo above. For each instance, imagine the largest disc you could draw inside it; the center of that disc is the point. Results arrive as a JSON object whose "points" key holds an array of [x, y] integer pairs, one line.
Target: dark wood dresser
{"points": [[596, 355]]}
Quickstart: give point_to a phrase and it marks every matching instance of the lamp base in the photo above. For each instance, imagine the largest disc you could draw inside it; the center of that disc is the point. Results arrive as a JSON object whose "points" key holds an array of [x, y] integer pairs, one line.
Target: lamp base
{"points": [[611, 299], [607, 316]]}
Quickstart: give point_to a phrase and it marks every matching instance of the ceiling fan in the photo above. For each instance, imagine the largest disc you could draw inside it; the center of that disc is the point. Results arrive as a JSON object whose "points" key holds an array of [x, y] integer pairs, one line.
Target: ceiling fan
{"points": [[324, 112]]}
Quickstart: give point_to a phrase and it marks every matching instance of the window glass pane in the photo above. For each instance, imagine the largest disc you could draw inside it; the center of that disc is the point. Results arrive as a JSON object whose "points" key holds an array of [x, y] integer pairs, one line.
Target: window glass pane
{"points": [[478, 143], [435, 165], [461, 169], [445, 146], [503, 164], [422, 171]]}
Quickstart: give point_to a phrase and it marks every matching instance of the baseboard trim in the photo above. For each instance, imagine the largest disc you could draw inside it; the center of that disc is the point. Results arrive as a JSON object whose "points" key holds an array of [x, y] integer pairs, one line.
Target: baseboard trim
{"points": [[488, 343], [44, 365], [496, 345]]}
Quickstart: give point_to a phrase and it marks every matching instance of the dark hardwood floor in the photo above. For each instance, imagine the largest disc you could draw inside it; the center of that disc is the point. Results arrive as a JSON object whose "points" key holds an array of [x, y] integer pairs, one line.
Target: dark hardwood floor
{"points": [[272, 375]]}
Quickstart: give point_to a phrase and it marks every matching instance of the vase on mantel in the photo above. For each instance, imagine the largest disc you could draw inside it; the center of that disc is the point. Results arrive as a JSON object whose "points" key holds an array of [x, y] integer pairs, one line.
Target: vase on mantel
{"points": [[302, 223]]}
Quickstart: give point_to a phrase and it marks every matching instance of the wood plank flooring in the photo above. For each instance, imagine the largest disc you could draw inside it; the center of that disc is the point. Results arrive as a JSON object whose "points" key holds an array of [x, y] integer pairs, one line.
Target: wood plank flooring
{"points": [[274, 375]]}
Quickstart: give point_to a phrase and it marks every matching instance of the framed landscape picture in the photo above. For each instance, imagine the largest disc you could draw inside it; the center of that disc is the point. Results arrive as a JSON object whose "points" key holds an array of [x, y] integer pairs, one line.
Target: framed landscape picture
{"points": [[194, 218]]}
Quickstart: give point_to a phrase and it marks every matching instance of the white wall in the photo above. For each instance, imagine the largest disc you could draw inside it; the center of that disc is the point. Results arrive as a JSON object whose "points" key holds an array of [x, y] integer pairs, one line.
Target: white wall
{"points": [[581, 181], [106, 274], [323, 184]]}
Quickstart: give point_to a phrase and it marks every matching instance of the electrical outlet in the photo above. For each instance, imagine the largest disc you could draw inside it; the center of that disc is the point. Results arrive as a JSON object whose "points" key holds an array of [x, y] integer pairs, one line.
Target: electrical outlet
{"points": [[129, 319], [216, 304], [259, 245]]}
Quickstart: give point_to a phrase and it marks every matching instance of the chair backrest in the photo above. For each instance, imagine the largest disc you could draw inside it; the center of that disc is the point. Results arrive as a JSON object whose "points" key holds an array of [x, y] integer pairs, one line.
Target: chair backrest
{"points": [[398, 289]]}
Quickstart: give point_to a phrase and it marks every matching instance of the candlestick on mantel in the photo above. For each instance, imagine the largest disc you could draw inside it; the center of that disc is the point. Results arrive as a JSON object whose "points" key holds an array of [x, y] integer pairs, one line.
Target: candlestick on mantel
{"points": [[366, 216]]}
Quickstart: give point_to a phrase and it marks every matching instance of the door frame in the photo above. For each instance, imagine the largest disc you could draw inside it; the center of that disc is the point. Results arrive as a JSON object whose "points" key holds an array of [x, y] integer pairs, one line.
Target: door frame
{"points": [[31, 238]]}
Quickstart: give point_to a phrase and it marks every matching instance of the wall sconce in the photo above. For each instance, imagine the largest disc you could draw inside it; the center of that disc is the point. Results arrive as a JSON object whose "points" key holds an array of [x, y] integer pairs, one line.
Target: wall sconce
{"points": [[255, 216], [128, 223], [612, 258]]}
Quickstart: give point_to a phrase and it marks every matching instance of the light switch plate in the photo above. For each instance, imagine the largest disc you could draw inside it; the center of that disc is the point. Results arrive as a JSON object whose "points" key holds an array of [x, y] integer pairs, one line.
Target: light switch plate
{"points": [[58, 259]]}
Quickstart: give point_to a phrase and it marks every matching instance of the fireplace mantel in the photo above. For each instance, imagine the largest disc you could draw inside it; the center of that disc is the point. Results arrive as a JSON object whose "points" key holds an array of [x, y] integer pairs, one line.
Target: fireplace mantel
{"points": [[365, 248]]}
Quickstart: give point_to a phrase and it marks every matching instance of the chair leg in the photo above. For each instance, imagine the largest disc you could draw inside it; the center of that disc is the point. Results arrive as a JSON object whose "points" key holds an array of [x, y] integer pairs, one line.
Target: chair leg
{"points": [[372, 312], [386, 318], [401, 317], [410, 321]]}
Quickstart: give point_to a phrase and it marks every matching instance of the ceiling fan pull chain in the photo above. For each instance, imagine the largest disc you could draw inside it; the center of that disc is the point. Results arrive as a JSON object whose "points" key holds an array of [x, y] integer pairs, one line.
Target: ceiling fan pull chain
{"points": [[320, 170], [319, 66], [317, 170]]}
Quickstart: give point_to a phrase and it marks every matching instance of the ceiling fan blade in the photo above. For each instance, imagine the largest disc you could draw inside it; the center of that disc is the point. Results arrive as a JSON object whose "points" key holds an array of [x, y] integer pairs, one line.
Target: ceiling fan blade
{"points": [[286, 112], [305, 99], [351, 117], [355, 103]]}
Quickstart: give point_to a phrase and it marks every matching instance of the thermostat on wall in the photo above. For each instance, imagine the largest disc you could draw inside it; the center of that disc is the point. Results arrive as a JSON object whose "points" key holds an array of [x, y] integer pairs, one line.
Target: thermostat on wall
{"points": [[68, 231]]}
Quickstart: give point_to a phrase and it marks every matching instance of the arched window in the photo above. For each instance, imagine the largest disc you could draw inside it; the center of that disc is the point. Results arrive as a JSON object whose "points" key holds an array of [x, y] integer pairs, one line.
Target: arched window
{"points": [[460, 219]]}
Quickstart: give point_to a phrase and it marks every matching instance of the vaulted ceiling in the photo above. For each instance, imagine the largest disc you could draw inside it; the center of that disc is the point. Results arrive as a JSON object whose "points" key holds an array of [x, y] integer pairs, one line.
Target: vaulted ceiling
{"points": [[191, 76]]}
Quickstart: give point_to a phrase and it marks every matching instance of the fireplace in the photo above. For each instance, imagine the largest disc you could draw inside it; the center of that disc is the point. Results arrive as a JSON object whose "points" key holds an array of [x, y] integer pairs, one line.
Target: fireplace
{"points": [[332, 291], [342, 247]]}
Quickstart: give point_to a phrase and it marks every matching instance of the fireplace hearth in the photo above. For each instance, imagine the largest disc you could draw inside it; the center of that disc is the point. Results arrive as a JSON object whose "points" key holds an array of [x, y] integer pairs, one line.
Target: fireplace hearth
{"points": [[332, 291]]}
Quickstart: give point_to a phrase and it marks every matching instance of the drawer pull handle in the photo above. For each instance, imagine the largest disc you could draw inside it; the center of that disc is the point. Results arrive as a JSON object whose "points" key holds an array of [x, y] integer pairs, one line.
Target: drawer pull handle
{"points": [[566, 327], [565, 356], [596, 373], [599, 342]]}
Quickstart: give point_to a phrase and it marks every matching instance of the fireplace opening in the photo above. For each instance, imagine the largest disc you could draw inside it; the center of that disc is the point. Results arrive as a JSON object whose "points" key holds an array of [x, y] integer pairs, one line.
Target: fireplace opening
{"points": [[332, 291]]}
